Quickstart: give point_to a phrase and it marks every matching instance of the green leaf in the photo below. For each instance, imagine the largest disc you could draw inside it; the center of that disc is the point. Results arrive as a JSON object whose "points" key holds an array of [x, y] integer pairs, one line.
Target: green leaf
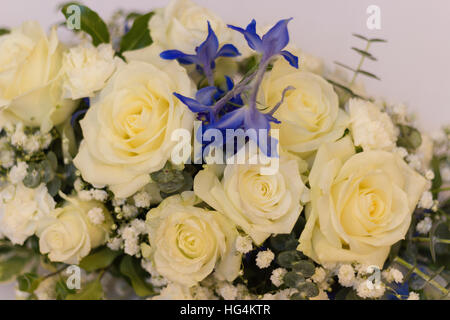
{"points": [[345, 66], [283, 242], [292, 279], [99, 260], [62, 291], [4, 31], [360, 37], [309, 289], [28, 282], [409, 138], [139, 35], [368, 74], [287, 258], [11, 267], [131, 268], [304, 267], [33, 178], [90, 22], [377, 40], [365, 53], [92, 291]]}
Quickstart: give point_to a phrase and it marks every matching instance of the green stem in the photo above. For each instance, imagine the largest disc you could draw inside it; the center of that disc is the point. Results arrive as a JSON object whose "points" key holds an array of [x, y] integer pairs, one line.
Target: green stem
{"points": [[422, 275], [422, 239], [441, 189], [363, 57]]}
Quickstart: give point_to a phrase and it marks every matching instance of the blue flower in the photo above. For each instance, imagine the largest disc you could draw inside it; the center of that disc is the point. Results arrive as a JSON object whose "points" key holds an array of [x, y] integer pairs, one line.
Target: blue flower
{"points": [[272, 43], [205, 54]]}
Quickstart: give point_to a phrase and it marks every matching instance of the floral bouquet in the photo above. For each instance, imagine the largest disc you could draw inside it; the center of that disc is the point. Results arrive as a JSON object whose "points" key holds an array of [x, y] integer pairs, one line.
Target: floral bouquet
{"points": [[167, 155]]}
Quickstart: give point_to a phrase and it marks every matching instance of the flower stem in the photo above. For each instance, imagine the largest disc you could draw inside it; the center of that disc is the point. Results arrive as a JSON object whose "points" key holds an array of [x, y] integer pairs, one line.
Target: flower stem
{"points": [[363, 57], [259, 77], [422, 239], [422, 275]]}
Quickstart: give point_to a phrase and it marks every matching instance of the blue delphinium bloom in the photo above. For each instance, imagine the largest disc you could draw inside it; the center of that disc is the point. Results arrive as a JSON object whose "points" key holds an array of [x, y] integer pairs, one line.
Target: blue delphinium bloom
{"points": [[272, 43], [205, 54]]}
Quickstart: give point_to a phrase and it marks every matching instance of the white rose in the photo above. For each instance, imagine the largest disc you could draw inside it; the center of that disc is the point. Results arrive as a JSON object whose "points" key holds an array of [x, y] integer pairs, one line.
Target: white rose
{"points": [[259, 204], [309, 115], [188, 243], [128, 129], [371, 128], [21, 209], [183, 25], [31, 78], [361, 204], [174, 291], [68, 235], [87, 69]]}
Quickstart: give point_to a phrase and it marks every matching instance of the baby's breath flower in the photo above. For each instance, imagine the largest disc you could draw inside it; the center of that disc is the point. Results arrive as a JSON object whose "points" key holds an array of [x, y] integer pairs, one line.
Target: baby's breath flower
{"points": [[413, 296], [18, 172], [426, 201], [319, 275], [142, 199], [264, 258], [244, 244], [96, 216], [227, 291], [346, 275], [424, 225], [277, 276]]}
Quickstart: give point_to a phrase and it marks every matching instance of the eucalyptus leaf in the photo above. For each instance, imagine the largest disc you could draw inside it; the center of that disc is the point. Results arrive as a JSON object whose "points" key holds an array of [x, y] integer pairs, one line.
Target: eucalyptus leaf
{"points": [[292, 279], [33, 178], [54, 186], [283, 242], [304, 267], [139, 35], [287, 258], [92, 291], [90, 22], [409, 138], [131, 268], [309, 289], [99, 260]]}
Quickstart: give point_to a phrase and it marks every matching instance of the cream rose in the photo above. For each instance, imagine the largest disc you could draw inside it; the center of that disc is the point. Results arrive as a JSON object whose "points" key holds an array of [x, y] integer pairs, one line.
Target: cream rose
{"points": [[361, 204], [128, 129], [371, 128], [310, 114], [21, 209], [259, 204], [183, 25], [188, 243], [68, 234], [87, 69], [31, 78]]}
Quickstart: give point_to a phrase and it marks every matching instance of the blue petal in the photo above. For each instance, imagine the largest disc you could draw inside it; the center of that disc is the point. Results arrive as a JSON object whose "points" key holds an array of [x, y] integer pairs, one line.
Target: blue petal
{"points": [[232, 120], [228, 50], [192, 104], [293, 60], [207, 51], [206, 95], [180, 56], [230, 83], [276, 39], [253, 40]]}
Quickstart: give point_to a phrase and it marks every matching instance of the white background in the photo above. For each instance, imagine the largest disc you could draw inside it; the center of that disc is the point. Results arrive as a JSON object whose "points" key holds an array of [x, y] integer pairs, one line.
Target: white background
{"points": [[414, 66]]}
